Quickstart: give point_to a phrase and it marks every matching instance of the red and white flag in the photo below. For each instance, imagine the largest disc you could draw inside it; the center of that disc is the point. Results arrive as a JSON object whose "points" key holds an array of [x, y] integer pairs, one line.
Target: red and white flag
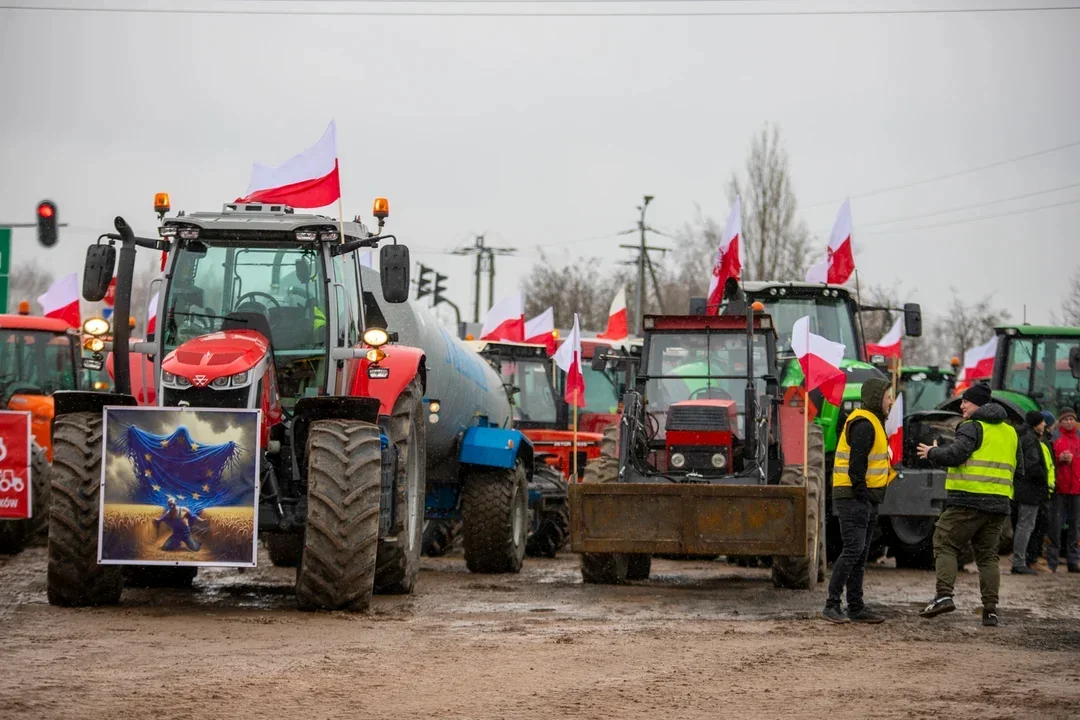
{"points": [[728, 264], [541, 330], [151, 315], [61, 300], [839, 262], [569, 359], [894, 431], [307, 180], [506, 320], [820, 359], [979, 361], [618, 324], [890, 345]]}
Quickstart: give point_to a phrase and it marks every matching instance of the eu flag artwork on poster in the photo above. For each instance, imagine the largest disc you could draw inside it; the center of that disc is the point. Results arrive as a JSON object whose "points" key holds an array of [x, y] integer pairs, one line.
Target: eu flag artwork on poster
{"points": [[179, 487]]}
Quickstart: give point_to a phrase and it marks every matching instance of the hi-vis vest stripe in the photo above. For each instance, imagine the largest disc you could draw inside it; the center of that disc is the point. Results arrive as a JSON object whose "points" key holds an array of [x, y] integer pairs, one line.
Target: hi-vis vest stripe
{"points": [[989, 470], [879, 472], [1051, 473]]}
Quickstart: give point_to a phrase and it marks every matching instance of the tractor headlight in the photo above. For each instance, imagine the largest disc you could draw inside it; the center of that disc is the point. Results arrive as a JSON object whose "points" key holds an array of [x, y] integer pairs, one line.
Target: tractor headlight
{"points": [[376, 337], [718, 461], [678, 460], [94, 344], [167, 378], [433, 418], [240, 378], [220, 382], [434, 406]]}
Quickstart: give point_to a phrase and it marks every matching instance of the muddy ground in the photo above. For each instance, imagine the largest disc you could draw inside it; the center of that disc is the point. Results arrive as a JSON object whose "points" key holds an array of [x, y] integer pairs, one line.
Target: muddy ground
{"points": [[699, 639]]}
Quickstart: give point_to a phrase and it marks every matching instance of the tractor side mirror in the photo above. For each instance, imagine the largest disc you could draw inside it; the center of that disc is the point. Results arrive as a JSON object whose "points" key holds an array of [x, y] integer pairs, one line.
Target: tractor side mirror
{"points": [[98, 271], [1074, 362], [912, 320], [598, 363], [394, 272]]}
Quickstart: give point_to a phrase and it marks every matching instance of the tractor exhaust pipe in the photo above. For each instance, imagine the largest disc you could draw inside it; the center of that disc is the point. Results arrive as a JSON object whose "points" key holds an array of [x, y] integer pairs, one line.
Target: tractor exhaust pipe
{"points": [[121, 330]]}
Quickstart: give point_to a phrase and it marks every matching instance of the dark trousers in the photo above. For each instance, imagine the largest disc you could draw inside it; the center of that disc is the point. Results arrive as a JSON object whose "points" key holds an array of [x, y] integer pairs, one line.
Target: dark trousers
{"points": [[956, 527], [1042, 528], [857, 521], [1066, 507]]}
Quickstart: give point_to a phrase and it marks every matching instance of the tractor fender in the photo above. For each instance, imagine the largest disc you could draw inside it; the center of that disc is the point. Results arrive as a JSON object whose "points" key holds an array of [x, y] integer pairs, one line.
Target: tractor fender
{"points": [[311, 409], [495, 447], [404, 363], [66, 402]]}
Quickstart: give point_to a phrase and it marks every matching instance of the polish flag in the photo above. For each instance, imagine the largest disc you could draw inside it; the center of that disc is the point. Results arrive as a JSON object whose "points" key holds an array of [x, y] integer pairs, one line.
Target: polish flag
{"points": [[727, 263], [618, 324], [839, 261], [894, 430], [979, 361], [61, 300], [569, 359], [307, 180], [541, 330], [820, 361], [506, 320], [151, 314], [890, 345]]}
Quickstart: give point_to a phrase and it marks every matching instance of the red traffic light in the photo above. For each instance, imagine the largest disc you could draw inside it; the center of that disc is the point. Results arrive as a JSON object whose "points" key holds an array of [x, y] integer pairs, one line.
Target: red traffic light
{"points": [[46, 210], [46, 223]]}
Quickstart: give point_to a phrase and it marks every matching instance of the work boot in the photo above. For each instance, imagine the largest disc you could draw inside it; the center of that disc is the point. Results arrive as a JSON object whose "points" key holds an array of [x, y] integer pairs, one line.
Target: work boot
{"points": [[865, 616], [938, 606], [833, 614], [990, 618], [1025, 570]]}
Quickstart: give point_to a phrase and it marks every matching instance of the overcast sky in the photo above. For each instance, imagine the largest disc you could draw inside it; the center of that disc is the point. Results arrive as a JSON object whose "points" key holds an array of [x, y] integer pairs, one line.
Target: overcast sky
{"points": [[549, 130]]}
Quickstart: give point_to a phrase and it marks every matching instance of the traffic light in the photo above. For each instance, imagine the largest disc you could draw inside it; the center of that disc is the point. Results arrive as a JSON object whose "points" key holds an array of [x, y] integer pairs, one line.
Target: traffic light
{"points": [[46, 223], [440, 289], [423, 285]]}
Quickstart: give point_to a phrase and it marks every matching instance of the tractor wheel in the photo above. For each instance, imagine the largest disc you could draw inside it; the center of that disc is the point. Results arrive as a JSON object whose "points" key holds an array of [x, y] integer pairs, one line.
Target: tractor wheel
{"points": [[439, 537], [553, 529], [605, 568], [74, 577], [606, 467], [285, 550], [609, 568], [638, 567], [397, 562], [495, 520], [148, 576], [15, 535], [801, 573], [344, 483]]}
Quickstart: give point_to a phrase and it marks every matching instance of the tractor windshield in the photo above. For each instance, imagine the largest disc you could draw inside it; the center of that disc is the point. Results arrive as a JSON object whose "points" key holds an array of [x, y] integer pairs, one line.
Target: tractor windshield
{"points": [[701, 365], [830, 317], [534, 397], [601, 394], [923, 391], [1039, 367], [36, 362]]}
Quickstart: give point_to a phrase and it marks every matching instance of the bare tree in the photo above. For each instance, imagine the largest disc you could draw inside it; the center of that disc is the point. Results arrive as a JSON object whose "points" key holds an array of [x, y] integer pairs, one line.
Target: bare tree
{"points": [[1070, 306], [777, 244], [575, 287], [27, 281], [923, 350], [967, 325]]}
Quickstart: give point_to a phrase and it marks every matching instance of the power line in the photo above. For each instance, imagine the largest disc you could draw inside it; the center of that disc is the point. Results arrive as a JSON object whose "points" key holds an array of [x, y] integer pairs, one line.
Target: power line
{"points": [[970, 220], [948, 176]]}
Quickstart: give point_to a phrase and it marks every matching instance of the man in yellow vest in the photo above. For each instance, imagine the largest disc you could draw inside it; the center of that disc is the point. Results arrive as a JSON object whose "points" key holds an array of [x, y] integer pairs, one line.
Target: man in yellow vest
{"points": [[861, 472], [981, 463], [1030, 490]]}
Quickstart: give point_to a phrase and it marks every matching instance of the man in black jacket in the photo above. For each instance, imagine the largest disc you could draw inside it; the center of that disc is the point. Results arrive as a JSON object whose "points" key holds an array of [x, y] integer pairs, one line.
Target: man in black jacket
{"points": [[981, 462], [1029, 490]]}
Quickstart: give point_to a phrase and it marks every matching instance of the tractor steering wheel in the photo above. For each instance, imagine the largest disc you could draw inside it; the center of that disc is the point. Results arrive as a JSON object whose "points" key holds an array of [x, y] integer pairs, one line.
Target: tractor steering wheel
{"points": [[252, 294], [710, 393]]}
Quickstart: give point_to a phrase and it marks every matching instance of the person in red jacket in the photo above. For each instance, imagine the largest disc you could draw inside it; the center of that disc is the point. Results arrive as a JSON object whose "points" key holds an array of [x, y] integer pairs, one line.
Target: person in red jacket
{"points": [[1067, 493]]}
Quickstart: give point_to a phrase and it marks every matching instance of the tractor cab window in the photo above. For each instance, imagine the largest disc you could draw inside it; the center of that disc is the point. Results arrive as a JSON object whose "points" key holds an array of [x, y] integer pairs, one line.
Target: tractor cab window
{"points": [[1051, 383], [534, 397], [283, 282], [1018, 366], [830, 317], [601, 393], [35, 362], [924, 391]]}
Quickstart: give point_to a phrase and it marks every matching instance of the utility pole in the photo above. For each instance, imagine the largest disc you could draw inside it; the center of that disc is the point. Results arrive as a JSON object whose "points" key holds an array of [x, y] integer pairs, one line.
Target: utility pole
{"points": [[642, 261], [485, 262]]}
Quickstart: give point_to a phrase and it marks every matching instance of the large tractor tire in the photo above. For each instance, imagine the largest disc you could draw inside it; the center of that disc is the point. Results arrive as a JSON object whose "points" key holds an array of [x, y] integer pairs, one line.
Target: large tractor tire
{"points": [[911, 542], [74, 577], [795, 572], [344, 482], [605, 568], [148, 576], [285, 550], [398, 561], [495, 520], [638, 567], [440, 536], [553, 529], [610, 568], [15, 535]]}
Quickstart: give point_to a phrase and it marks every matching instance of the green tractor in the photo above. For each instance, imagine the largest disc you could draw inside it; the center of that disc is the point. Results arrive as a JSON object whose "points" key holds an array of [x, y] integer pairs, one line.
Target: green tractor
{"points": [[926, 387]]}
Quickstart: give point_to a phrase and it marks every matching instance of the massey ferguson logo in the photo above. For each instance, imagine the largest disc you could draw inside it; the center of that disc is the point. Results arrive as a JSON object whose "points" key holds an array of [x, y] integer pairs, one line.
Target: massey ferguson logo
{"points": [[199, 381]]}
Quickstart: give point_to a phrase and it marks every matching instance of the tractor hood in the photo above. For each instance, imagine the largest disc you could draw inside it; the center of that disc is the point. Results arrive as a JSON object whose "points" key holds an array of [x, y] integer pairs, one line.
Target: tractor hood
{"points": [[221, 354]]}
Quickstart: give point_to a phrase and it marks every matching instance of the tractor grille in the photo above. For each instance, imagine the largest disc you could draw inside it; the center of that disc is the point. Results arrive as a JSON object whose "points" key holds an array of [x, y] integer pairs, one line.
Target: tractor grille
{"points": [[697, 417], [207, 397]]}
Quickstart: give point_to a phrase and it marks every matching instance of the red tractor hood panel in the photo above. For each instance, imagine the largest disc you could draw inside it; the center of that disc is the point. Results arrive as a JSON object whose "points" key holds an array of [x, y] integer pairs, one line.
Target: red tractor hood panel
{"points": [[216, 355]]}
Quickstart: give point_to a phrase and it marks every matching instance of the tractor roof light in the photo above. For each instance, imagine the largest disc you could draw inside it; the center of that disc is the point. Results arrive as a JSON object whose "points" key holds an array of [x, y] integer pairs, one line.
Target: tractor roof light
{"points": [[24, 307], [96, 326], [381, 208], [305, 235], [376, 337], [161, 203], [758, 306]]}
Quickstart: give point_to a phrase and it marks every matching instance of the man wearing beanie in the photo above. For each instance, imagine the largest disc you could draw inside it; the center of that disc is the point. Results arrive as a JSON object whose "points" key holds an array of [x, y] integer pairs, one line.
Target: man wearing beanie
{"points": [[1067, 496], [861, 472], [1029, 490], [981, 462]]}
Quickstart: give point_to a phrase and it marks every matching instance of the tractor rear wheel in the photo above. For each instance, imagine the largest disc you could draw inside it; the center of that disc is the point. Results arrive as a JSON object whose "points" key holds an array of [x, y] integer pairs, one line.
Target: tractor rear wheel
{"points": [[605, 568], [344, 483], [553, 528], [398, 561], [609, 568], [440, 536], [802, 572], [495, 520], [74, 577], [284, 550]]}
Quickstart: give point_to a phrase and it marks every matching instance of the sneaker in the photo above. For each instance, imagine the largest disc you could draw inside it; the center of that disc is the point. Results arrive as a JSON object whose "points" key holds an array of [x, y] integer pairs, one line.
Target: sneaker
{"points": [[990, 618], [865, 616], [1024, 571], [938, 606], [833, 614]]}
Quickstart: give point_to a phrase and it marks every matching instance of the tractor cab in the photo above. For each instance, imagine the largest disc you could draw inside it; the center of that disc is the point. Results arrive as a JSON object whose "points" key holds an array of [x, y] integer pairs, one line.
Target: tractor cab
{"points": [[926, 388], [529, 379], [1032, 367]]}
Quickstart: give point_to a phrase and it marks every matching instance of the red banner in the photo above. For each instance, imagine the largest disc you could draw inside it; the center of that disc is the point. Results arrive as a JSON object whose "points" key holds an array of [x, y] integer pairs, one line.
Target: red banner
{"points": [[14, 465]]}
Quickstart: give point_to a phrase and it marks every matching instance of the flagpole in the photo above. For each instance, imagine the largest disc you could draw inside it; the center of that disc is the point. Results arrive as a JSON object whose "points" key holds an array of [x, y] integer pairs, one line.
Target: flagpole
{"points": [[341, 220], [806, 415], [575, 438]]}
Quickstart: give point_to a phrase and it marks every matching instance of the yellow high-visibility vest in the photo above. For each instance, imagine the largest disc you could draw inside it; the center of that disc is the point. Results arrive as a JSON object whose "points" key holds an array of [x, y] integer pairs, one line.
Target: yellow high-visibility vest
{"points": [[990, 469], [1051, 473], [879, 472]]}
